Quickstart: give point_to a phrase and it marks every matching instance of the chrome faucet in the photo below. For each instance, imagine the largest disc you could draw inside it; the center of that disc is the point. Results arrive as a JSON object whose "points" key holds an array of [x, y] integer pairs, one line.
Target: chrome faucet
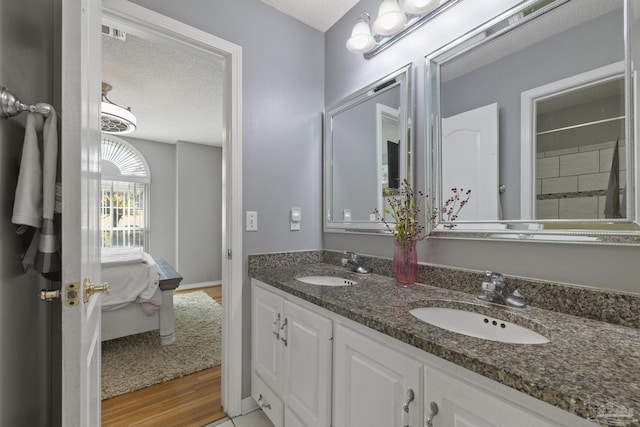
{"points": [[494, 291], [351, 261]]}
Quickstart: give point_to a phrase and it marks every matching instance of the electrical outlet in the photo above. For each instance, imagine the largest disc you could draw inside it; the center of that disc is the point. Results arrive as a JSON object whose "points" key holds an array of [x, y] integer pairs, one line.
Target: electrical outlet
{"points": [[252, 221]]}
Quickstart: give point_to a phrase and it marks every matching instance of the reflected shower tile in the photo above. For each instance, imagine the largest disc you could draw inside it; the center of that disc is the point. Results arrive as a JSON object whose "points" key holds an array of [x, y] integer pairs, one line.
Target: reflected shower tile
{"points": [[548, 167], [560, 185], [593, 181], [579, 208], [578, 164], [547, 209]]}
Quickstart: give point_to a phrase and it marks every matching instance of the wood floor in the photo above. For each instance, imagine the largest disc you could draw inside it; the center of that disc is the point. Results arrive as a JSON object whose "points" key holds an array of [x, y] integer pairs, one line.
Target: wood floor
{"points": [[193, 400]]}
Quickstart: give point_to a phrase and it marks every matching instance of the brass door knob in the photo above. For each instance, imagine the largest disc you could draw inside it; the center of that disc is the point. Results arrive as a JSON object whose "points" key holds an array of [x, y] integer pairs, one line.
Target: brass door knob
{"points": [[90, 289]]}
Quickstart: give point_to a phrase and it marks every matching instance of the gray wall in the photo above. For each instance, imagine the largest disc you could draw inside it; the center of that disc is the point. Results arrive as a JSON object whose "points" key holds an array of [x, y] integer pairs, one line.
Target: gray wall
{"points": [[355, 162], [595, 266], [186, 201], [161, 159], [199, 183], [282, 104], [26, 55]]}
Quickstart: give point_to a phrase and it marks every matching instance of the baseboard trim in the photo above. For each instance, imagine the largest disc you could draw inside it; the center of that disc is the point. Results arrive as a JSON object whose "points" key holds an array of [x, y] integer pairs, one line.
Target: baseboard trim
{"points": [[248, 405], [198, 285]]}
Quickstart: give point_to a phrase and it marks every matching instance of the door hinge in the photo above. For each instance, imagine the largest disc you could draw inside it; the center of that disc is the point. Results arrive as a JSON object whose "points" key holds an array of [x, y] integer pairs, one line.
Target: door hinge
{"points": [[229, 254]]}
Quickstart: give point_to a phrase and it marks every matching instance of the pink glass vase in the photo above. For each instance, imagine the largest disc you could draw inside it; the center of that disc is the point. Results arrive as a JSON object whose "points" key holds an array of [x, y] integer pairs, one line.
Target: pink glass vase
{"points": [[405, 263]]}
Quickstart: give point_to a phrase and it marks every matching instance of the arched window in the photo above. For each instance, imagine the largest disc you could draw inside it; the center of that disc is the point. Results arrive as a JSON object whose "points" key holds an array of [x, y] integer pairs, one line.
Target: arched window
{"points": [[124, 206]]}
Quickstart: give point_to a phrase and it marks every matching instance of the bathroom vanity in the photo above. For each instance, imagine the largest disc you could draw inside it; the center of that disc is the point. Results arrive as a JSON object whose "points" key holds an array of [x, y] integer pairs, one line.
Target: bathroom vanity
{"points": [[349, 356]]}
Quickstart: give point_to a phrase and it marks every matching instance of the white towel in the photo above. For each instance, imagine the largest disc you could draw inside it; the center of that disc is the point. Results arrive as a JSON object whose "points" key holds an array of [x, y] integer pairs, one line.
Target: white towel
{"points": [[49, 164], [47, 260], [27, 207], [36, 194]]}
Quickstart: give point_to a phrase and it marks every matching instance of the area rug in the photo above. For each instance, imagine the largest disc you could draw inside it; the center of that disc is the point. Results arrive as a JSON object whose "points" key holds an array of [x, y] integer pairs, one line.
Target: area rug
{"points": [[137, 361]]}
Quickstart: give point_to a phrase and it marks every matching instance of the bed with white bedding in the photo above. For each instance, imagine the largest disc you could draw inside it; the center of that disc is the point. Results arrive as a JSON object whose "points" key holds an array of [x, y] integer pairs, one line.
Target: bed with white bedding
{"points": [[140, 297]]}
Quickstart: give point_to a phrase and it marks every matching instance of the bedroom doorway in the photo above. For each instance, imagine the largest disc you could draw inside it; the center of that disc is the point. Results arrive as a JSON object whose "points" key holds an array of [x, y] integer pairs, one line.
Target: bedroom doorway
{"points": [[140, 23]]}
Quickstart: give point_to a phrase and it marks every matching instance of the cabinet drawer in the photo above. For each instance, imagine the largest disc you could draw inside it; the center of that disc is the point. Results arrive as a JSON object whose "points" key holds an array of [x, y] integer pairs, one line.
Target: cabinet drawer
{"points": [[268, 401]]}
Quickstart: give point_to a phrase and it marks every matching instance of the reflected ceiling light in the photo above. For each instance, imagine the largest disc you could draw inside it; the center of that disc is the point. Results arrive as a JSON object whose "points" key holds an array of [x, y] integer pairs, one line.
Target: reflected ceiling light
{"points": [[115, 119], [390, 18], [361, 39], [392, 24]]}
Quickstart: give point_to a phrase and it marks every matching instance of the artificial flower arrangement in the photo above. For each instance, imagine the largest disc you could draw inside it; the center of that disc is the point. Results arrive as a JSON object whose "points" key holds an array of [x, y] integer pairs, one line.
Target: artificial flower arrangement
{"points": [[404, 207]]}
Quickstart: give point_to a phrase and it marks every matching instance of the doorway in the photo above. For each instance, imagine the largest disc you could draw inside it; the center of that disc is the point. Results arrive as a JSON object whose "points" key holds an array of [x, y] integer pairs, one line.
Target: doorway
{"points": [[133, 18]]}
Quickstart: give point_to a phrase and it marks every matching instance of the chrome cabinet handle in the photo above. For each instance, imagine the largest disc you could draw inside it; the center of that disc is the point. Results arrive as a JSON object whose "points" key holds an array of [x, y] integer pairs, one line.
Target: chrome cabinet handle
{"points": [[276, 323], [434, 412], [410, 397], [282, 328], [263, 405]]}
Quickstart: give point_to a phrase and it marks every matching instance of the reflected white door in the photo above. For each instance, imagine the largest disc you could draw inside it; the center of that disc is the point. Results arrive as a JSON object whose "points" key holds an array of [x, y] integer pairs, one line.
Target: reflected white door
{"points": [[80, 151], [470, 160]]}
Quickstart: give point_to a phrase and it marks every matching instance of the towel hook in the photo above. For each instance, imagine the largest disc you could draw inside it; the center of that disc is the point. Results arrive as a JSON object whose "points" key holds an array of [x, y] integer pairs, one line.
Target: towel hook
{"points": [[11, 106]]}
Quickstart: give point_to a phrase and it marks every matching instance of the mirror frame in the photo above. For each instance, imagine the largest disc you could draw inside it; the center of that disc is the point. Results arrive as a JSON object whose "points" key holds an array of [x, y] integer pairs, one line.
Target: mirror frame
{"points": [[400, 78], [617, 232]]}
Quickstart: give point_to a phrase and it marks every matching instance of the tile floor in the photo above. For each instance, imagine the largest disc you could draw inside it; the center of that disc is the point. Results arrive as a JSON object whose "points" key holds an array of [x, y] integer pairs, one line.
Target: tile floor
{"points": [[256, 418]]}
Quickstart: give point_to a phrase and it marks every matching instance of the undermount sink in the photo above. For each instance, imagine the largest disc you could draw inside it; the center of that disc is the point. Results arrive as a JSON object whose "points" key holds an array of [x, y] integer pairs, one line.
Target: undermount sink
{"points": [[478, 325], [326, 281]]}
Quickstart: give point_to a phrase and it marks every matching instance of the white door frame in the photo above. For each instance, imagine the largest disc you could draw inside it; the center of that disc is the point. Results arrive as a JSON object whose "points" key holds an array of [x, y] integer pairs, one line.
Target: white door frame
{"points": [[140, 17], [528, 100]]}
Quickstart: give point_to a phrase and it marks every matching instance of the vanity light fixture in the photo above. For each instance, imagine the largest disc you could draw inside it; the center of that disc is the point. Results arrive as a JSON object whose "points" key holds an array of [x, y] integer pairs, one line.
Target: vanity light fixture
{"points": [[115, 119], [361, 39], [390, 18], [392, 24]]}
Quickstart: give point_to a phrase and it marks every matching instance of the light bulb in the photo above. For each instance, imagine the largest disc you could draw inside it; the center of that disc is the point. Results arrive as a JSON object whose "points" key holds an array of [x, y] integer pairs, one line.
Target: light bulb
{"points": [[417, 7], [390, 18], [361, 40]]}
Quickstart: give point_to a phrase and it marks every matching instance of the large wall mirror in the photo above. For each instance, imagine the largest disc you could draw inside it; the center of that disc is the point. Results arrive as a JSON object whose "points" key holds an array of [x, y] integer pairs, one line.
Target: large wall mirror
{"points": [[367, 152], [534, 112]]}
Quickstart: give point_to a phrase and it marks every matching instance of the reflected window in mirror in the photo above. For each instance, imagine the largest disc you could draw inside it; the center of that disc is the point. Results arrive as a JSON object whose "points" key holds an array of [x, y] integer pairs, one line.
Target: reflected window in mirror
{"points": [[534, 112], [366, 153]]}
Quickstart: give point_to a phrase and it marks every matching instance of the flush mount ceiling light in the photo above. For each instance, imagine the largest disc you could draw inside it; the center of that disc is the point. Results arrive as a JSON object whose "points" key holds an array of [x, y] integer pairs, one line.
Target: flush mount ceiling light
{"points": [[115, 119], [392, 24]]}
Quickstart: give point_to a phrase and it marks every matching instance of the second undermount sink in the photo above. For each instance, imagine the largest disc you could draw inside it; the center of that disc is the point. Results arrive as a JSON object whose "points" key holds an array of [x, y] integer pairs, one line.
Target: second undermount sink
{"points": [[326, 281], [478, 325]]}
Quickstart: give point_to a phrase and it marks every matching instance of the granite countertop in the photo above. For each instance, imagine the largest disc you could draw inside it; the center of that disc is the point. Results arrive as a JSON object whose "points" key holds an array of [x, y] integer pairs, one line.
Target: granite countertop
{"points": [[585, 359]]}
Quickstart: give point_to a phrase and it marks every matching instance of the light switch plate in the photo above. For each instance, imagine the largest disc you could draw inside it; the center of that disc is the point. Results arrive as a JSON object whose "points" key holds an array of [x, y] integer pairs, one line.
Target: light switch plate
{"points": [[252, 221]]}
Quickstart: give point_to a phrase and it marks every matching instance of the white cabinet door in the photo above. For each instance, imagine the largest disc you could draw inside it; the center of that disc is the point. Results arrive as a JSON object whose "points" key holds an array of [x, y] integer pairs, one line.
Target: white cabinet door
{"points": [[267, 348], [372, 383], [460, 404], [307, 365], [291, 361]]}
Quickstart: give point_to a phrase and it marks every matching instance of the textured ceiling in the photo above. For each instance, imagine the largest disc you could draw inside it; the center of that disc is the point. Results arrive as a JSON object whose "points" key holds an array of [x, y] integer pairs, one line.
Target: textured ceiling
{"points": [[319, 14], [175, 93]]}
